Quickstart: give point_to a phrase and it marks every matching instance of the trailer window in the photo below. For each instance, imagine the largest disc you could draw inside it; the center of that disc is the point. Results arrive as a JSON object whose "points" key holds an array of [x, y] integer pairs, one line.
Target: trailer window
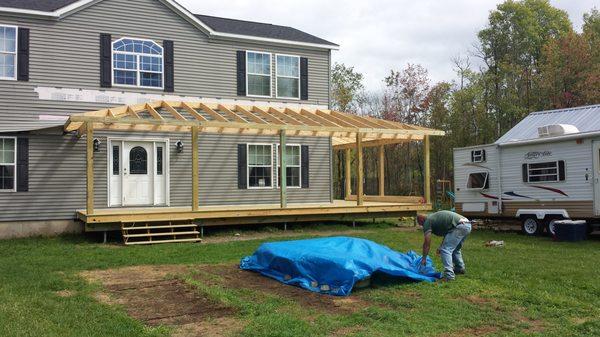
{"points": [[478, 156], [553, 171], [478, 181]]}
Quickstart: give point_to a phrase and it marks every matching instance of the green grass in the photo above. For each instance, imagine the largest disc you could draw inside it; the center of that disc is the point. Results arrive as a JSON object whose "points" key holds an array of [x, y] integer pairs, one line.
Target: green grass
{"points": [[533, 286]]}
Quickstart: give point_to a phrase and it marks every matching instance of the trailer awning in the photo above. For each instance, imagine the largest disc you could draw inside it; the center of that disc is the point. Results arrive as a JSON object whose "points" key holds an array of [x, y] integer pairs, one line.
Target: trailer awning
{"points": [[179, 116]]}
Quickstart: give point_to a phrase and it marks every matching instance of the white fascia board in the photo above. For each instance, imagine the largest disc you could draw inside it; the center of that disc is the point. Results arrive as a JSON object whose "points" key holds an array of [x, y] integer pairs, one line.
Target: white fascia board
{"points": [[57, 14]]}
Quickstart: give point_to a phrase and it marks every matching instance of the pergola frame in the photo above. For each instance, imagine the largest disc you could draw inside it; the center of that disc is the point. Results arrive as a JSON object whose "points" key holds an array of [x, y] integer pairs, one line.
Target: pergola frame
{"points": [[346, 130]]}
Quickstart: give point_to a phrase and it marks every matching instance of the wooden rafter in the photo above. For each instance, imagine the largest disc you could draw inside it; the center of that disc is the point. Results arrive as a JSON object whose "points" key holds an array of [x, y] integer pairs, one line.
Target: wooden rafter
{"points": [[193, 112], [153, 112], [231, 114], [296, 114], [212, 113], [284, 117], [173, 111], [335, 119], [267, 115], [249, 115]]}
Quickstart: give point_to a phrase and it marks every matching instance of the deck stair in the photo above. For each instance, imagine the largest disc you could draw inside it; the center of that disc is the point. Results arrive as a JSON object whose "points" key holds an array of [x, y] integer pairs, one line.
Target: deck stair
{"points": [[145, 233]]}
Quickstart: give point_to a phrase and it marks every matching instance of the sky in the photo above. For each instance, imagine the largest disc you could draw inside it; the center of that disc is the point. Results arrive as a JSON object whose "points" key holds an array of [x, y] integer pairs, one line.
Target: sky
{"points": [[379, 35]]}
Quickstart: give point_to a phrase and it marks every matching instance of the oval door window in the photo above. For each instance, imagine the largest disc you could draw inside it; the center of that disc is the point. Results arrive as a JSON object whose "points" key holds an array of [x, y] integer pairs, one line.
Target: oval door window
{"points": [[138, 161]]}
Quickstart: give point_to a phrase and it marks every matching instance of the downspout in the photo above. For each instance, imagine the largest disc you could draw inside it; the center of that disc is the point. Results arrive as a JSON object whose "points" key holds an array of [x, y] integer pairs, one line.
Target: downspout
{"points": [[499, 166]]}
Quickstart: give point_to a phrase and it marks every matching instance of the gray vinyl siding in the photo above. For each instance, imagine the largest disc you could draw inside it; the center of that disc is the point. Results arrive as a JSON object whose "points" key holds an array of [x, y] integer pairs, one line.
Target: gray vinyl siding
{"points": [[65, 54], [57, 174]]}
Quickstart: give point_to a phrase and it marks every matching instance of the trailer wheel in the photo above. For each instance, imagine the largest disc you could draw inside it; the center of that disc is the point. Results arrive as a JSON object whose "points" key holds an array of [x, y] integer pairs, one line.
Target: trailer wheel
{"points": [[551, 225], [531, 226]]}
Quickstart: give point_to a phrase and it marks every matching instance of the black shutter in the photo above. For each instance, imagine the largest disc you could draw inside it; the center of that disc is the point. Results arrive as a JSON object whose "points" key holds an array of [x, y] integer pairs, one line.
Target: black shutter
{"points": [[241, 73], [483, 155], [242, 168], [472, 156], [169, 66], [23, 55], [22, 164], [305, 165], [303, 78], [105, 57], [525, 173], [561, 170]]}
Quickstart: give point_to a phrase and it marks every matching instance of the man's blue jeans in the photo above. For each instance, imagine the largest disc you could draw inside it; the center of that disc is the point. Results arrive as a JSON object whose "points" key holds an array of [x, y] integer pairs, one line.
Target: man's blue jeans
{"points": [[450, 250]]}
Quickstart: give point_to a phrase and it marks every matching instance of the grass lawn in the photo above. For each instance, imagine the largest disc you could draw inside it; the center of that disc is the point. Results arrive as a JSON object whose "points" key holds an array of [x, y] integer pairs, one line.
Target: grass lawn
{"points": [[532, 286]]}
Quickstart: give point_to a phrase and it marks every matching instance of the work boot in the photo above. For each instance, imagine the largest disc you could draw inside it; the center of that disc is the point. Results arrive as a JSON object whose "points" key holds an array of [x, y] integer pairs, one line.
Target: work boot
{"points": [[460, 271]]}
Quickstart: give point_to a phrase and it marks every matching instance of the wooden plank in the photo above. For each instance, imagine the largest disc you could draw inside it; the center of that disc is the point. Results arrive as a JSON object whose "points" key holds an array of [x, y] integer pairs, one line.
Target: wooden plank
{"points": [[287, 119], [249, 115], [193, 112], [336, 120], [212, 113], [317, 118], [351, 119], [427, 169], [267, 116], [231, 114], [348, 172], [359, 170], [378, 142], [153, 112], [132, 113], [195, 173], [398, 199], [173, 111], [89, 169], [282, 171], [381, 169], [300, 117]]}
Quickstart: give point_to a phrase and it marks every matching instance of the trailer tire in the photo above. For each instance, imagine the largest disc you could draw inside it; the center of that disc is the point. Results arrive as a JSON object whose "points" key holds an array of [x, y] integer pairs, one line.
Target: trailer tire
{"points": [[530, 225], [550, 224]]}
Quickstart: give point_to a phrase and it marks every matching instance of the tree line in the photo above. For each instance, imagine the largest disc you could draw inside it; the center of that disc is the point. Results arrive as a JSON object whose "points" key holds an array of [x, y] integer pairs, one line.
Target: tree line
{"points": [[527, 58]]}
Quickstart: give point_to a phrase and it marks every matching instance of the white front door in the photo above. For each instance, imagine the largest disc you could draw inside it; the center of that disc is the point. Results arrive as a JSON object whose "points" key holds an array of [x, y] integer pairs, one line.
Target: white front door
{"points": [[596, 178], [138, 173]]}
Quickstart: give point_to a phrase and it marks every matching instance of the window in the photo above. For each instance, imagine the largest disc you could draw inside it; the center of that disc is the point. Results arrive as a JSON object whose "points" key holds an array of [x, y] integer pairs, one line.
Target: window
{"points": [[292, 165], [115, 160], [552, 171], [258, 74], [138, 161], [477, 156], [478, 181], [288, 76], [159, 160], [137, 63], [8, 52], [260, 166], [8, 160]]}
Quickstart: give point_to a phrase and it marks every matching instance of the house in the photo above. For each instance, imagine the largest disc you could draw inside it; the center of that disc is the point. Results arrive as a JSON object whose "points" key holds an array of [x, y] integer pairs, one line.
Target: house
{"points": [[544, 169], [116, 113]]}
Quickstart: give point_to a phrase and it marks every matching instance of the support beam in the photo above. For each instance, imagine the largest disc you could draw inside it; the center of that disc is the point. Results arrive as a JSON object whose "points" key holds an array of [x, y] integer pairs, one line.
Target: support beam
{"points": [[195, 173], [348, 173], [359, 170], [427, 173], [89, 190], [381, 167], [282, 171]]}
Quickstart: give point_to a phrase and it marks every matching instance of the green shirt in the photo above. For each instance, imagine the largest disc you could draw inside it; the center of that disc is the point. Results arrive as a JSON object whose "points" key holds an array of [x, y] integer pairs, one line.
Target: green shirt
{"points": [[440, 223]]}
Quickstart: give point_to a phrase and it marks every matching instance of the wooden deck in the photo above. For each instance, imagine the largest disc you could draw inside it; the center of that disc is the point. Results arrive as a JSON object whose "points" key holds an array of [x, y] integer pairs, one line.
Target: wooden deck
{"points": [[103, 219]]}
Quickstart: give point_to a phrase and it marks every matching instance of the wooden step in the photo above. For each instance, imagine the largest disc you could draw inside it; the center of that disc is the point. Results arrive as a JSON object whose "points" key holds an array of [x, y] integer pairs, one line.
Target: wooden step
{"points": [[160, 234], [158, 227], [162, 241]]}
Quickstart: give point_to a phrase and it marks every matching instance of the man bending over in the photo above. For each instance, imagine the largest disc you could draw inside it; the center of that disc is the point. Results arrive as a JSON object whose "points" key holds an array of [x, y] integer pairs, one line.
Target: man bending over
{"points": [[454, 228]]}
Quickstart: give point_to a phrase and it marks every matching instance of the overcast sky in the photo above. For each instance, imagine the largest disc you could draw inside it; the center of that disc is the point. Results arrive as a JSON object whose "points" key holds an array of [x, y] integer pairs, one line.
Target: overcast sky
{"points": [[378, 35]]}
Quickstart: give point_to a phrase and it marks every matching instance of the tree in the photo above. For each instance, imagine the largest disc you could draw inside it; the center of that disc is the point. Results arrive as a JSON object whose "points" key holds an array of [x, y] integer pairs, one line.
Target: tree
{"points": [[406, 94], [346, 84]]}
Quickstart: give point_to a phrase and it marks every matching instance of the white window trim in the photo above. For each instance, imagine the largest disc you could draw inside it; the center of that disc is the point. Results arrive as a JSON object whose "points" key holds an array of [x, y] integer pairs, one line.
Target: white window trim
{"points": [[16, 52], [248, 167], [487, 177], [277, 76], [137, 65], [480, 156], [557, 167], [270, 73], [14, 189], [298, 166]]}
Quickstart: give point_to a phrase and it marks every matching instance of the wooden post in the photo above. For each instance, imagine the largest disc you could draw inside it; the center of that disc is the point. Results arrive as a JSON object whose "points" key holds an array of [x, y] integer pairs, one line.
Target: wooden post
{"points": [[282, 171], [381, 167], [195, 173], [426, 168], [348, 173], [359, 170], [89, 135]]}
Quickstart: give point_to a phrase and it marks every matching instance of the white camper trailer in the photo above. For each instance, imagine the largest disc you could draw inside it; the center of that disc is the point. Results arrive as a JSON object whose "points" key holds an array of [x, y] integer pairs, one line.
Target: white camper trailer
{"points": [[544, 169]]}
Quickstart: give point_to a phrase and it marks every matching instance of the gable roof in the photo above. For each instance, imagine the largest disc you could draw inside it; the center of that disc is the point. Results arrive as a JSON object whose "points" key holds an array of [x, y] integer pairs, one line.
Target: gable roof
{"points": [[213, 26], [242, 27], [585, 118]]}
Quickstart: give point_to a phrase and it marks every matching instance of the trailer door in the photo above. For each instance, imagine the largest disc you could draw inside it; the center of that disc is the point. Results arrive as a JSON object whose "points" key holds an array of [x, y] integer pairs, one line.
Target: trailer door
{"points": [[596, 156]]}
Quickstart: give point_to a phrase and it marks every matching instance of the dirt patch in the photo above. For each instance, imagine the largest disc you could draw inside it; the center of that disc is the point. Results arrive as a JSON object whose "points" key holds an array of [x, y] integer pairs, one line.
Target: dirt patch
{"points": [[231, 276], [155, 296], [64, 293], [280, 234]]}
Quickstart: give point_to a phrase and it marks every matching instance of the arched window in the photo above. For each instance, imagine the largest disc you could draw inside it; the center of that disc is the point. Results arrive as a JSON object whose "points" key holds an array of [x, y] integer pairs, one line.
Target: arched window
{"points": [[137, 63], [138, 160]]}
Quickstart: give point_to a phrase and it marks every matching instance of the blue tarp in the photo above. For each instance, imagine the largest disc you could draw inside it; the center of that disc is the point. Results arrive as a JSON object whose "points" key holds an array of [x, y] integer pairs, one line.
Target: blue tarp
{"points": [[334, 265]]}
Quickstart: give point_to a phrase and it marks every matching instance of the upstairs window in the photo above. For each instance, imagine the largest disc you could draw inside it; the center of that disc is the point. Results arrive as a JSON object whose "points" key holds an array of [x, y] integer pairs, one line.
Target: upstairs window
{"points": [[8, 163], [258, 74], [478, 156], [137, 63], [288, 76], [478, 181], [552, 171], [8, 53]]}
